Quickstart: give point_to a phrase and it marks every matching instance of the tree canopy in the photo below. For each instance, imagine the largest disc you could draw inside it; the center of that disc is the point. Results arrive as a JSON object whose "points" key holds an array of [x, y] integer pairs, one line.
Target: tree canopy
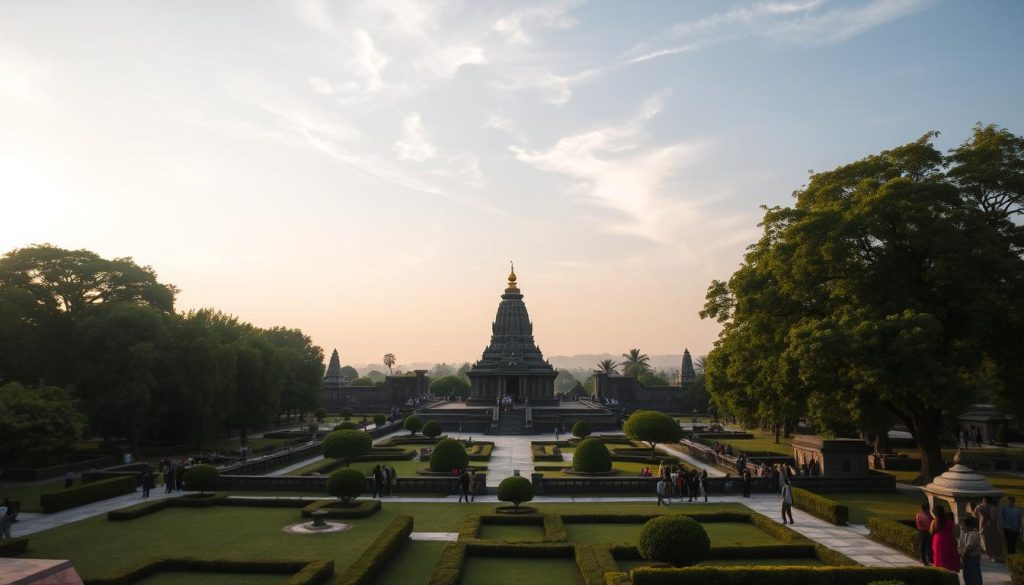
{"points": [[449, 386], [893, 285]]}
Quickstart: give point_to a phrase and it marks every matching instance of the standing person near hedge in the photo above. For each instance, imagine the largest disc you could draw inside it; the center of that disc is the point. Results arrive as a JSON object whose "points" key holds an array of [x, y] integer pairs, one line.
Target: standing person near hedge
{"points": [[923, 522], [5, 522], [987, 515], [944, 553], [1009, 519], [661, 491], [702, 481], [787, 502], [147, 481], [464, 488], [746, 483], [969, 547]]}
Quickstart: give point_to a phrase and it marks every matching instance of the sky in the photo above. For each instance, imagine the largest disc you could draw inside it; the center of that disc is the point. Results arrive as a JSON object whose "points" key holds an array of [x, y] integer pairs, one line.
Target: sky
{"points": [[365, 170]]}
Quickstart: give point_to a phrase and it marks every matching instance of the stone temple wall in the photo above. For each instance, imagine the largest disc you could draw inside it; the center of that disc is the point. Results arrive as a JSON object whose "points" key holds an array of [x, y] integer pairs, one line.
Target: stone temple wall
{"points": [[632, 395]]}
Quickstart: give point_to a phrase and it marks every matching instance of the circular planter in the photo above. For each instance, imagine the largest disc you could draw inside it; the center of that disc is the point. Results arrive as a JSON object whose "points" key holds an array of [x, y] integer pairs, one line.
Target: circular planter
{"points": [[512, 510]]}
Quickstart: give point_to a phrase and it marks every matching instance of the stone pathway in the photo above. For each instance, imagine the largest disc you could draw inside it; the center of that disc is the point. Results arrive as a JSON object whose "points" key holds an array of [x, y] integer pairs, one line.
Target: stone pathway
{"points": [[435, 536], [32, 522]]}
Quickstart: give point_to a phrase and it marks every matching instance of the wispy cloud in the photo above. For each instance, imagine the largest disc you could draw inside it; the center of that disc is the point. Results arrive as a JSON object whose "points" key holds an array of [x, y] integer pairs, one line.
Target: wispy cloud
{"points": [[517, 26], [413, 145]]}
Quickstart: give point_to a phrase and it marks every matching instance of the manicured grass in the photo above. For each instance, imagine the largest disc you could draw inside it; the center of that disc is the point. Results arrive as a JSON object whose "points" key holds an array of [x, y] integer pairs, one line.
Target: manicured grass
{"points": [[193, 578], [28, 493], [762, 442], [518, 571], [898, 506], [902, 476], [512, 533], [629, 565], [413, 564], [1011, 485], [762, 563], [720, 533]]}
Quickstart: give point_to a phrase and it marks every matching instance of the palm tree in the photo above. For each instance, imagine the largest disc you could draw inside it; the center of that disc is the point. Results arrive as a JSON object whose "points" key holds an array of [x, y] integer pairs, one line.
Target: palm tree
{"points": [[389, 361], [607, 367], [635, 363]]}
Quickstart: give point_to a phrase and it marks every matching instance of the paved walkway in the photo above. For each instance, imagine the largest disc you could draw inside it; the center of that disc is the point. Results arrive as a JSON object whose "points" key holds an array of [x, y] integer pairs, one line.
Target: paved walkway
{"points": [[32, 522]]}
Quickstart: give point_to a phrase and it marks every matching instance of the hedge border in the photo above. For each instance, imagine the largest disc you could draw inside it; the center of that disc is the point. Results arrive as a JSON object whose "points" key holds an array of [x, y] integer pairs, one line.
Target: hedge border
{"points": [[363, 509], [895, 534], [817, 505], [86, 494], [303, 572], [367, 567], [765, 524], [554, 529], [792, 575], [1015, 564], [448, 570], [13, 547], [203, 501]]}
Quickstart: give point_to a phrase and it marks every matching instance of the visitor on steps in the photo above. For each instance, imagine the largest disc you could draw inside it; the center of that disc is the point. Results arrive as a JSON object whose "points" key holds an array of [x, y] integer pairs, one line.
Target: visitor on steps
{"points": [[969, 547], [1009, 519], [944, 553], [923, 522], [746, 483], [787, 502], [661, 492]]}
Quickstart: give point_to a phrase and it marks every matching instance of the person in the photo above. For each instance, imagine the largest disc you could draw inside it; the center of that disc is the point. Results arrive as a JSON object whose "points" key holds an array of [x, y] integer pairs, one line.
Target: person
{"points": [[787, 502], [969, 547], [661, 492], [464, 486], [179, 476], [681, 484], [378, 481], [147, 481], [168, 472], [702, 482], [746, 483], [393, 479], [5, 521], [69, 479], [944, 554], [977, 440], [987, 516], [1009, 518], [12, 509], [923, 522], [387, 479], [472, 485]]}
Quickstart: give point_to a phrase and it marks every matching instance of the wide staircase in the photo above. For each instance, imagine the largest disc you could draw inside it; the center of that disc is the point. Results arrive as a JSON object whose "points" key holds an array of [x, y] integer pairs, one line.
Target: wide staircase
{"points": [[511, 423]]}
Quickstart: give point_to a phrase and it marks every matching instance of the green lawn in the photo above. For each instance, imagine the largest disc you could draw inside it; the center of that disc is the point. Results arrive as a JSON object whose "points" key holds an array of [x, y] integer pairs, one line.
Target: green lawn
{"points": [[762, 563], [898, 506], [193, 578], [762, 442], [1011, 485], [413, 565], [519, 571], [511, 533], [720, 533]]}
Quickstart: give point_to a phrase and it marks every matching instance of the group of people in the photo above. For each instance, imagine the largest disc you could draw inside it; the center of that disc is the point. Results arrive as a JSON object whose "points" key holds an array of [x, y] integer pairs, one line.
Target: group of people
{"points": [[385, 480], [675, 482], [980, 534], [507, 402], [969, 434], [8, 516], [467, 481]]}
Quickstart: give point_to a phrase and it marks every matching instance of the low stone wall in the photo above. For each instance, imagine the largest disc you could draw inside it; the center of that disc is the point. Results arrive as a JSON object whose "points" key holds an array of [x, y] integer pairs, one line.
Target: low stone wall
{"points": [[640, 485], [270, 462], [873, 482], [318, 484], [37, 473]]}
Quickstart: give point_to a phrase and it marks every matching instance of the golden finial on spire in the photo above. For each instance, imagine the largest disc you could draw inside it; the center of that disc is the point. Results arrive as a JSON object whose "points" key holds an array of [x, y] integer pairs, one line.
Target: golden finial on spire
{"points": [[512, 275]]}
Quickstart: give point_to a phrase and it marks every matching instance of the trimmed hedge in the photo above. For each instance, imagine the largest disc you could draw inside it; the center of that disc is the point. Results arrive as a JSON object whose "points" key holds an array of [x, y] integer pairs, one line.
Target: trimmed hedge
{"points": [[480, 451], [88, 493], [515, 489], [13, 547], [448, 454], [894, 534], [518, 550], [1015, 564], [448, 570], [593, 561], [792, 576], [675, 539], [546, 452], [196, 501], [360, 509], [367, 567], [303, 572], [820, 506], [554, 529]]}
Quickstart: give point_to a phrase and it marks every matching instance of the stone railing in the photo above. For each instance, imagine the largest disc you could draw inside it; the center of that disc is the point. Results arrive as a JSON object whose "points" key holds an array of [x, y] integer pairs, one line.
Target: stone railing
{"points": [[445, 485], [529, 418], [36, 473], [640, 485], [274, 460]]}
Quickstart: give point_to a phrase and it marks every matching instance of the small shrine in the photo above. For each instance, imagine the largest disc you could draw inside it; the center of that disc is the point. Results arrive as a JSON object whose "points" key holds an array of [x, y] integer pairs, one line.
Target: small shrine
{"points": [[958, 487]]}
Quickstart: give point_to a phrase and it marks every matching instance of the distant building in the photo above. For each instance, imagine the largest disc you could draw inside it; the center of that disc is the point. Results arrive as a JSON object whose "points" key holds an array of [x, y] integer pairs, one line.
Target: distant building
{"points": [[394, 392]]}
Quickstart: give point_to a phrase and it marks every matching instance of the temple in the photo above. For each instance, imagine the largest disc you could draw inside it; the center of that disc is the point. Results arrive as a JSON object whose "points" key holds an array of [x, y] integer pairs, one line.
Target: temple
{"points": [[512, 364]]}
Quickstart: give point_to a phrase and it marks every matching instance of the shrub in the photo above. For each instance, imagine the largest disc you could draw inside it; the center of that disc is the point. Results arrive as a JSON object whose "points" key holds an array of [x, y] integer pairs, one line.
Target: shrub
{"points": [[895, 534], [87, 494], [320, 414], [353, 510], [13, 547], [202, 477], [347, 445], [380, 420], [652, 427], [674, 539], [346, 484], [581, 429], [1015, 564], [591, 456], [413, 424], [448, 454], [367, 567], [432, 429], [448, 570], [346, 413], [820, 506], [515, 489], [346, 425]]}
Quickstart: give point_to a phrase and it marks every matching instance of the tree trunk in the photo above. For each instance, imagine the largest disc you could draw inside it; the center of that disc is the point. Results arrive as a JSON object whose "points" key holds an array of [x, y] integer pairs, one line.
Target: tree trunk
{"points": [[788, 427], [243, 438], [926, 427], [777, 433]]}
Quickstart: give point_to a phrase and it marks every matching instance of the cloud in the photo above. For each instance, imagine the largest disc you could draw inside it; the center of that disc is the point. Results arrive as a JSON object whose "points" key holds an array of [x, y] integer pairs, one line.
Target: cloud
{"points": [[550, 16], [413, 145], [20, 74], [320, 85], [463, 167], [556, 89], [661, 53], [611, 166]]}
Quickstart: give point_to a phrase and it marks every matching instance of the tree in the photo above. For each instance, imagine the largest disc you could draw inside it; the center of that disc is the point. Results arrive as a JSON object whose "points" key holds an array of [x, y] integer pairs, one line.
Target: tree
{"points": [[375, 377], [448, 454], [347, 445], [379, 420], [673, 538], [320, 413], [636, 363], [431, 429], [515, 489], [581, 429], [607, 367], [201, 477], [389, 361], [887, 287], [441, 370], [592, 456], [652, 427], [346, 413], [302, 366], [348, 372], [362, 381], [449, 387], [413, 424], [653, 378], [346, 484], [38, 426]]}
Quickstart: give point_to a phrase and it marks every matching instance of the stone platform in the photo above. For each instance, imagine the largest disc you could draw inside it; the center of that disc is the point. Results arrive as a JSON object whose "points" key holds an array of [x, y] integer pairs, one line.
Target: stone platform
{"points": [[38, 572]]}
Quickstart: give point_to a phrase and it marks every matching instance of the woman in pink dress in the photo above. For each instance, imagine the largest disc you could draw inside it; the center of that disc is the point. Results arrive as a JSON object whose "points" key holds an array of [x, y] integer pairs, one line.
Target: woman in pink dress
{"points": [[944, 553]]}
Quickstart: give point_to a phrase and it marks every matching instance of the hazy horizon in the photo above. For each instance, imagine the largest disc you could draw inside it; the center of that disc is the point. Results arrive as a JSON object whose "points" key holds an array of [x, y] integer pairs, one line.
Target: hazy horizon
{"points": [[365, 171]]}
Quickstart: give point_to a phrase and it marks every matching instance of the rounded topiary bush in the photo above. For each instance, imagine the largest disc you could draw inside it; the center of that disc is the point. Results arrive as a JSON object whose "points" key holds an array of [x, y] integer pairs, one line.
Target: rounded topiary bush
{"points": [[346, 425], [432, 429], [201, 477], [581, 429], [347, 445], [320, 414], [379, 420], [346, 413], [346, 484], [515, 489], [675, 539], [448, 454], [413, 424], [591, 456]]}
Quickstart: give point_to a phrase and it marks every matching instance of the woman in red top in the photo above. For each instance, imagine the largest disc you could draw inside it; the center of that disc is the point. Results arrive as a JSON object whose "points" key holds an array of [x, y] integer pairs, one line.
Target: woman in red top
{"points": [[944, 553], [923, 522]]}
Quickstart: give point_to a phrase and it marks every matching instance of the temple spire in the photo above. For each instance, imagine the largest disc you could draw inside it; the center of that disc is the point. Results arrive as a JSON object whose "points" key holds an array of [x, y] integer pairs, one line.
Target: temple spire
{"points": [[512, 275]]}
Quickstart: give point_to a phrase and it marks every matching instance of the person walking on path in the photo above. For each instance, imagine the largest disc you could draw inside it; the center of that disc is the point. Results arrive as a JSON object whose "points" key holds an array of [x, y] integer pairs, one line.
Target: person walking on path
{"points": [[923, 522], [787, 502], [944, 553], [987, 515], [378, 481], [969, 548], [702, 481], [1009, 518], [147, 482], [464, 486], [661, 492], [746, 483]]}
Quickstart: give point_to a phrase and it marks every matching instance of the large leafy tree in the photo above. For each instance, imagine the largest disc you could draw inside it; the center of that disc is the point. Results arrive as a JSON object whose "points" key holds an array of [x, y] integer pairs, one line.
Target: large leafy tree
{"points": [[303, 369], [37, 425], [884, 289], [449, 386]]}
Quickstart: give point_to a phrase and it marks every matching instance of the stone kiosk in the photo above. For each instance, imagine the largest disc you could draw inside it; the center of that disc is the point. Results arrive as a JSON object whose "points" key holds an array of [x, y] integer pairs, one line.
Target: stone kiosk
{"points": [[959, 487], [835, 457]]}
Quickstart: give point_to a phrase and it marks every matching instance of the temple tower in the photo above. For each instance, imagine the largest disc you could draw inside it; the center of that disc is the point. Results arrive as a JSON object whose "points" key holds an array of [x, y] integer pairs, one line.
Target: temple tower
{"points": [[512, 364], [686, 373]]}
